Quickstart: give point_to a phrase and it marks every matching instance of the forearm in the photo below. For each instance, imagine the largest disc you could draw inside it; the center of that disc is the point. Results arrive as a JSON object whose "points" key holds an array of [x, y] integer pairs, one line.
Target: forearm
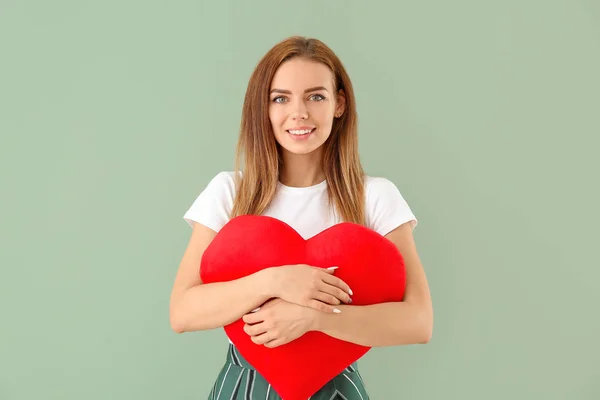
{"points": [[387, 324], [213, 305]]}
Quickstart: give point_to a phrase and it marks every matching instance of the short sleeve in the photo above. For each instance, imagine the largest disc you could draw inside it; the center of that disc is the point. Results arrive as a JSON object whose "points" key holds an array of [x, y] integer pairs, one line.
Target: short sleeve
{"points": [[212, 208], [386, 208]]}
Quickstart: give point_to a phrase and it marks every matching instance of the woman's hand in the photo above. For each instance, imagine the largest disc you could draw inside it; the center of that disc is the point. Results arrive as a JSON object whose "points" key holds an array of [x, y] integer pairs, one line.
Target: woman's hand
{"points": [[278, 322], [309, 286]]}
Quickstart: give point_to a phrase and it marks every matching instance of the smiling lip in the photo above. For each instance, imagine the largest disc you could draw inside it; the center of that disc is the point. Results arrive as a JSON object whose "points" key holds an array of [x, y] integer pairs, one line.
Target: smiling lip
{"points": [[306, 133], [301, 128]]}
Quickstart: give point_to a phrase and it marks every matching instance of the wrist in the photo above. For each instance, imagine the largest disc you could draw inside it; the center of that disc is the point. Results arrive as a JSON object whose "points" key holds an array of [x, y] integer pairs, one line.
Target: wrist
{"points": [[318, 320], [328, 322], [268, 282]]}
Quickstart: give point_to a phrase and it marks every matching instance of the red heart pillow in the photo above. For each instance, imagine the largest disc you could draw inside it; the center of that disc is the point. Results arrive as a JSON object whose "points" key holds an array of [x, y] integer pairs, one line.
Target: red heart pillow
{"points": [[368, 262]]}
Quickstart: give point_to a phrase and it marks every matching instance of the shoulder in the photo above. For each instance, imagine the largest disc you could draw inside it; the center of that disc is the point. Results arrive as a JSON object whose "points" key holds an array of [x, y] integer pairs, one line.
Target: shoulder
{"points": [[381, 191], [214, 203], [378, 186], [223, 182], [386, 207]]}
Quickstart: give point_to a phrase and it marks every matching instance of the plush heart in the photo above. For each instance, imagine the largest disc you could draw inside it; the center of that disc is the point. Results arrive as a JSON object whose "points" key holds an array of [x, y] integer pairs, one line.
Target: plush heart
{"points": [[368, 262]]}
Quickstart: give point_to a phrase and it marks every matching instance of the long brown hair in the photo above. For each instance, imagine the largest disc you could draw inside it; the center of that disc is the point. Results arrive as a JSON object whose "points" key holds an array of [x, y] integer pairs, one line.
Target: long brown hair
{"points": [[257, 185]]}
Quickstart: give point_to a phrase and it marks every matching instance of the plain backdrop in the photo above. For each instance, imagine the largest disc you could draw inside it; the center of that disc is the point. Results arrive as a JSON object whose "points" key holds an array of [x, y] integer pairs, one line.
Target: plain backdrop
{"points": [[114, 115]]}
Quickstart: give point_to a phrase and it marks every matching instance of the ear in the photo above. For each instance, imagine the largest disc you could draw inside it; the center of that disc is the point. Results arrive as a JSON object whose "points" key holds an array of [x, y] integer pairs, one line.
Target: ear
{"points": [[340, 104]]}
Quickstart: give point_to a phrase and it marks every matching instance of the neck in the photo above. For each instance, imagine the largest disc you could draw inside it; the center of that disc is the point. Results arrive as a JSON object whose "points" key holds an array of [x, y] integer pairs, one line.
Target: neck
{"points": [[301, 170]]}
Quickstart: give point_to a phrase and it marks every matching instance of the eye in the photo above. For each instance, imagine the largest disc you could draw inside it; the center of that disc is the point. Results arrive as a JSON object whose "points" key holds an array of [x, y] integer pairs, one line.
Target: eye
{"points": [[282, 99]]}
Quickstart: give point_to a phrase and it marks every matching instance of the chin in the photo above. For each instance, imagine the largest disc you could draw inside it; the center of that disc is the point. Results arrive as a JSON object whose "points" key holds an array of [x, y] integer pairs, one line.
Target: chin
{"points": [[299, 149], [300, 152]]}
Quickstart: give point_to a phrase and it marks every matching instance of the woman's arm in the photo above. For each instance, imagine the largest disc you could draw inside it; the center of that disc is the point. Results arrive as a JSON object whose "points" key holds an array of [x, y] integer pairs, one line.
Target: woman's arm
{"points": [[388, 324], [196, 306]]}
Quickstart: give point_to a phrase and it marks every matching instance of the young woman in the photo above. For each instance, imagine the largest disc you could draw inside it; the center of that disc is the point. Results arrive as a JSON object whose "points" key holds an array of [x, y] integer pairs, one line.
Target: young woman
{"points": [[301, 165]]}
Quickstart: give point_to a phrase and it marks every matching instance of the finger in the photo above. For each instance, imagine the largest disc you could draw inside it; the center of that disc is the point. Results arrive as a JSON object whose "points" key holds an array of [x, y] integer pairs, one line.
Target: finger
{"points": [[320, 306], [337, 282], [328, 298], [273, 343], [255, 330], [261, 339], [335, 292], [252, 318]]}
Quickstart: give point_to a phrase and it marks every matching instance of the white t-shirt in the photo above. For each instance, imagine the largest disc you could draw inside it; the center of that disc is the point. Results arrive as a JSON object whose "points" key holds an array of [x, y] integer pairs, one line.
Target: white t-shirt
{"points": [[303, 208]]}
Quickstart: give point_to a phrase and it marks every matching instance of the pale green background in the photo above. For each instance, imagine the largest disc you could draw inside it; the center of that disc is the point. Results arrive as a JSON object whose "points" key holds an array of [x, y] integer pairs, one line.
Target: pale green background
{"points": [[115, 114]]}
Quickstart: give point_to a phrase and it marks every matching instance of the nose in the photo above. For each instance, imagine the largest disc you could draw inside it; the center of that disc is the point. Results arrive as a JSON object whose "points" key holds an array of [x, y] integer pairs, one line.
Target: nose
{"points": [[299, 111]]}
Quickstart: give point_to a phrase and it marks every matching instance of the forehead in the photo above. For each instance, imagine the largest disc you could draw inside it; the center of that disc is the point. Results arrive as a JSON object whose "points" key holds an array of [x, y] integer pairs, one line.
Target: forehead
{"points": [[299, 74]]}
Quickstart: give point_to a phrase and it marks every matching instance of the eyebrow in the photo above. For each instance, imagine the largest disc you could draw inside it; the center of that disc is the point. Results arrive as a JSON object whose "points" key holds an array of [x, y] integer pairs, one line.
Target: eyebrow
{"points": [[306, 91]]}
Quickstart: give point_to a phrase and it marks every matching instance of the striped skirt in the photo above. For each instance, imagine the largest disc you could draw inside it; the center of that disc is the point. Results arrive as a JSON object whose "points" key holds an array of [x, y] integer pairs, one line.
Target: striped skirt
{"points": [[238, 380]]}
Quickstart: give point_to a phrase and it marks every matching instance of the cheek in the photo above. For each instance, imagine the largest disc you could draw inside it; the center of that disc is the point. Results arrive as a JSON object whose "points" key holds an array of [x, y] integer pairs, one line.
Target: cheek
{"points": [[322, 113], [277, 117]]}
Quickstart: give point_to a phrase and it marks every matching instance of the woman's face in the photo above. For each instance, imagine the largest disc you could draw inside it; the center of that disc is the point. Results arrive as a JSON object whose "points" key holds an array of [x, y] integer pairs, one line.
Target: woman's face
{"points": [[302, 105]]}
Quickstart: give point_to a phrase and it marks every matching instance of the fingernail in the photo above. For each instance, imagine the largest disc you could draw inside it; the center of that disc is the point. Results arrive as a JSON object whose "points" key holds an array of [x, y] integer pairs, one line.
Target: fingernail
{"points": [[332, 268], [349, 300], [255, 310], [337, 311], [350, 292]]}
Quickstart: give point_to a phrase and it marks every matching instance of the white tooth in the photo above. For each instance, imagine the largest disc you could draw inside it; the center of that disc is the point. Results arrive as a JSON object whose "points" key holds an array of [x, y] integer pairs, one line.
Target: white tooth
{"points": [[300, 132]]}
